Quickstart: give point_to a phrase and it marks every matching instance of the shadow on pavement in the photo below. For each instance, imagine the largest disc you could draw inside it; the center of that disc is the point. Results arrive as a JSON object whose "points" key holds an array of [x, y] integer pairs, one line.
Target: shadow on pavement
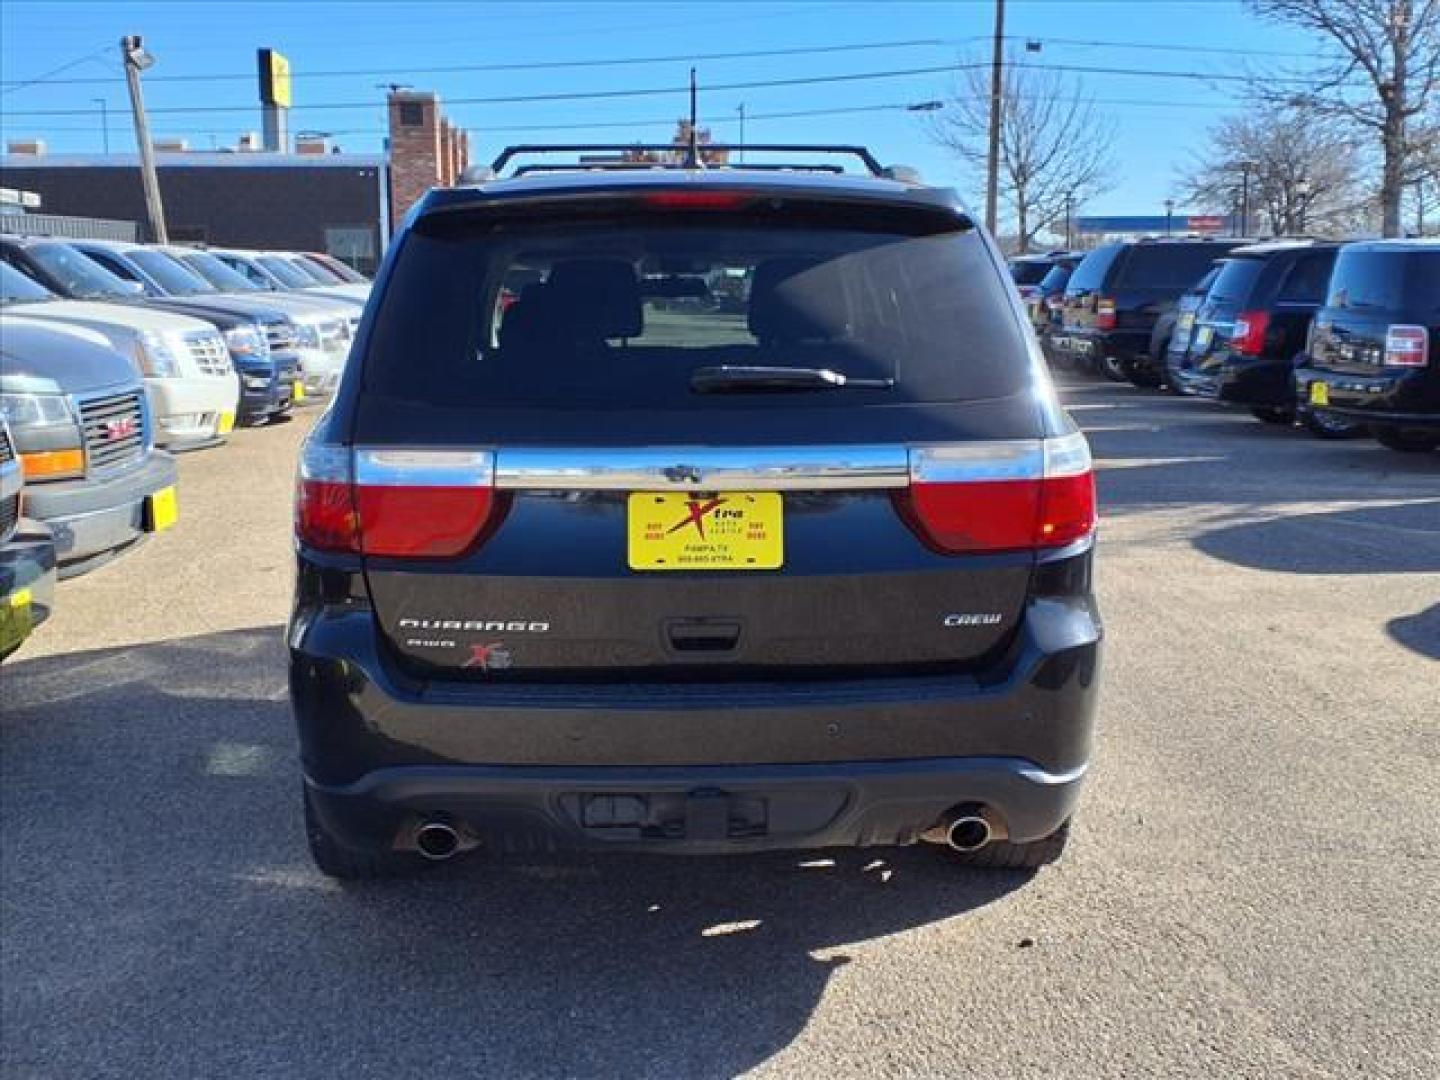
{"points": [[1372, 540], [162, 918], [1420, 632], [1155, 451]]}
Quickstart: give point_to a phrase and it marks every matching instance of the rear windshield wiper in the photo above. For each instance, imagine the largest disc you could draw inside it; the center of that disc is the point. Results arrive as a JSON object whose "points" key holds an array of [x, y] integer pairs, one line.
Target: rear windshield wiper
{"points": [[742, 379]]}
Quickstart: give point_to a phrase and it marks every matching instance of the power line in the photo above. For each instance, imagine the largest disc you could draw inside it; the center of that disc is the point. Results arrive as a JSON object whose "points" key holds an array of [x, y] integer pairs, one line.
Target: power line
{"points": [[761, 84], [10, 86], [546, 65], [559, 65]]}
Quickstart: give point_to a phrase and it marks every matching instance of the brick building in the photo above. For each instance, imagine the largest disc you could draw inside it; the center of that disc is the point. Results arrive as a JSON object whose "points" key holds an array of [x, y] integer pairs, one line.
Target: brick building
{"points": [[314, 199]]}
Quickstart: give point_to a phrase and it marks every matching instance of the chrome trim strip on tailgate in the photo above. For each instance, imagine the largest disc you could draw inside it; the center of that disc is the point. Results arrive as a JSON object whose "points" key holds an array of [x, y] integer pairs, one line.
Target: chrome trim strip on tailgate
{"points": [[708, 468]]}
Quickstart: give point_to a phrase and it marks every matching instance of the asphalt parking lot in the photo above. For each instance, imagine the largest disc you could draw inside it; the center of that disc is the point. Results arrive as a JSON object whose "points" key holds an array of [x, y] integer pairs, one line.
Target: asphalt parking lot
{"points": [[1254, 887]]}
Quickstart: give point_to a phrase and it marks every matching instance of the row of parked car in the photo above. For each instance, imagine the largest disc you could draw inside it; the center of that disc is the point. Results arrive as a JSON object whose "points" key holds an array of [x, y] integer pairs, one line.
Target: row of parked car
{"points": [[113, 354], [1343, 338]]}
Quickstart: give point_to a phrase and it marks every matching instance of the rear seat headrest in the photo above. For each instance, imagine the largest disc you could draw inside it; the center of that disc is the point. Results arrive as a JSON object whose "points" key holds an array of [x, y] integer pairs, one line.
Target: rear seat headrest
{"points": [[786, 301], [597, 298]]}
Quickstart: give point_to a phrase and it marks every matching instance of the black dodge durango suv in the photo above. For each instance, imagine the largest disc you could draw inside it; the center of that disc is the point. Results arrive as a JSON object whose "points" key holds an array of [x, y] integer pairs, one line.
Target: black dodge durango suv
{"points": [[592, 556]]}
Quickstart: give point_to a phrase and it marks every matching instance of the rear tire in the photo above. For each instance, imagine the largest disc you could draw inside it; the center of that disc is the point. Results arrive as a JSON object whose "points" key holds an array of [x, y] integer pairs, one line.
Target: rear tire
{"points": [[1406, 440], [1003, 855], [1273, 415], [335, 860]]}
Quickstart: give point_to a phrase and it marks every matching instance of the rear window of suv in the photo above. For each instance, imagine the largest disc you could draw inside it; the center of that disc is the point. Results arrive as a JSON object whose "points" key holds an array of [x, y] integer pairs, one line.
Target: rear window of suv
{"points": [[1236, 278], [1165, 266], [1090, 275], [1386, 280], [617, 313], [1029, 271]]}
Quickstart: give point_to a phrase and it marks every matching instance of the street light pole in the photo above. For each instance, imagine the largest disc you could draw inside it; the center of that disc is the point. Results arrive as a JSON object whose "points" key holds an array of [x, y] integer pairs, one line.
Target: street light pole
{"points": [[1245, 167], [1069, 211], [992, 161], [741, 108], [104, 122], [1169, 213], [136, 61]]}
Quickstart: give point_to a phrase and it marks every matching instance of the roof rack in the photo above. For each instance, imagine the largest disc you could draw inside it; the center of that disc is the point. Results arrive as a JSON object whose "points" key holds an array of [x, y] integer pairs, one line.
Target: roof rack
{"points": [[869, 160], [647, 166]]}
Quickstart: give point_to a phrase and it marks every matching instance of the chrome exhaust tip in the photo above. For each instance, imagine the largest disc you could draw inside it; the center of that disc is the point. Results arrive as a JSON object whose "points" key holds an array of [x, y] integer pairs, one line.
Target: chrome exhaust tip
{"points": [[966, 827], [968, 832], [437, 841]]}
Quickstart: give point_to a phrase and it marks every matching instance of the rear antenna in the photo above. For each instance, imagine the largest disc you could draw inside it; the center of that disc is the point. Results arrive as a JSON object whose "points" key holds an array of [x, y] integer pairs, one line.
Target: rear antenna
{"points": [[692, 150]]}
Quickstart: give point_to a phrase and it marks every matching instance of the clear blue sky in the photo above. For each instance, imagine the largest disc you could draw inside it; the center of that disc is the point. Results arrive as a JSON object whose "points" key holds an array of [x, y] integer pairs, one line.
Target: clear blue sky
{"points": [[1161, 119]]}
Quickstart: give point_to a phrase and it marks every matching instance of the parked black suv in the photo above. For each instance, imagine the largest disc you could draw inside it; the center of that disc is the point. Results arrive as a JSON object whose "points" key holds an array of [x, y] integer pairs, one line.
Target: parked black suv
{"points": [[1116, 295], [612, 565], [1253, 323], [1374, 355]]}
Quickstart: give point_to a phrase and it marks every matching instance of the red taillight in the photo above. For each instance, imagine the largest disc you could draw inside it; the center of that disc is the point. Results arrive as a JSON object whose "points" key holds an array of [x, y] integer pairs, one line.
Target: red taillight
{"points": [[695, 200], [431, 504], [1104, 313], [1007, 496], [324, 501], [1406, 346], [1247, 337]]}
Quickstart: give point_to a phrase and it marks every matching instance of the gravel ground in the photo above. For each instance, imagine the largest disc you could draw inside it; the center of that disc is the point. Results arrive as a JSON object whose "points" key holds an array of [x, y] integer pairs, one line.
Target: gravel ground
{"points": [[1253, 888]]}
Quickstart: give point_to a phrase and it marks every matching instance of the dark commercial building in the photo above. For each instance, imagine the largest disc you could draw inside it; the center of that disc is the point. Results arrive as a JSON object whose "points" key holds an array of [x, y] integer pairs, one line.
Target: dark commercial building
{"points": [[332, 202], [310, 200]]}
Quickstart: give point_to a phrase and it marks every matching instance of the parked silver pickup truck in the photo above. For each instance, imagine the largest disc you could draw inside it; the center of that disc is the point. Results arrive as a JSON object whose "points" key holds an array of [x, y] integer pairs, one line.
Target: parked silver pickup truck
{"points": [[80, 425]]}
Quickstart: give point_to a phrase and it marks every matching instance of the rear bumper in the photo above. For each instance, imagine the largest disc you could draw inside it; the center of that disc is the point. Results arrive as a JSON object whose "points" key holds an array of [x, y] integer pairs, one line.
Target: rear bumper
{"points": [[1262, 383], [796, 764], [27, 583], [697, 809], [1400, 397], [1091, 346], [92, 518]]}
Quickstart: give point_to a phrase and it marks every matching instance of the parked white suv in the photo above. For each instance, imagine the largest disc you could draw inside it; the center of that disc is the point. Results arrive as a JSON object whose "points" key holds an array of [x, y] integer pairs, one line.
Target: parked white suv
{"points": [[192, 388], [325, 325]]}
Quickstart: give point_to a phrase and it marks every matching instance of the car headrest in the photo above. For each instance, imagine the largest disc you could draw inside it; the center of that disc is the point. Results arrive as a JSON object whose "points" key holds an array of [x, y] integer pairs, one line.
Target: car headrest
{"points": [[786, 301], [598, 298], [531, 319]]}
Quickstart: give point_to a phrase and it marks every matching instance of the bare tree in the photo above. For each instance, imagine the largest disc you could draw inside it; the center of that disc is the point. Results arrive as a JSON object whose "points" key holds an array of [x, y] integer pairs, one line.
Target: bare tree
{"points": [[1385, 78], [1054, 146], [1306, 170]]}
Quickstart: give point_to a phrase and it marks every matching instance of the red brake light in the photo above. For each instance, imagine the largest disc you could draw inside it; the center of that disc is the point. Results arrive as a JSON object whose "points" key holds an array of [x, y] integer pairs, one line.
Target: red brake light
{"points": [[1406, 346], [324, 504], [696, 200], [1105, 313], [394, 503], [1003, 496], [1248, 335]]}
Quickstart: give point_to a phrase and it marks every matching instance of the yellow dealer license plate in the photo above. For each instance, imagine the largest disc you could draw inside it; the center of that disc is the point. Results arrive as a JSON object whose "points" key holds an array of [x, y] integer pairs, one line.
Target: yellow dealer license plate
{"points": [[1319, 393], [732, 530], [16, 620], [161, 510], [227, 423], [297, 392]]}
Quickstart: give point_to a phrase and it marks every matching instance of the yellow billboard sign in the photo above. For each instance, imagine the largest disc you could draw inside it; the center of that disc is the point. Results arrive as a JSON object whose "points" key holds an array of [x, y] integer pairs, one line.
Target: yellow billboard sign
{"points": [[274, 79]]}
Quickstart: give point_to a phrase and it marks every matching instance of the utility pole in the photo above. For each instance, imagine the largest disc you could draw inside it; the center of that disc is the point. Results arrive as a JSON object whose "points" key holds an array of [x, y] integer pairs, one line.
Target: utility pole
{"points": [[1069, 213], [992, 161], [136, 61], [104, 122], [1169, 214], [742, 132], [1245, 167]]}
